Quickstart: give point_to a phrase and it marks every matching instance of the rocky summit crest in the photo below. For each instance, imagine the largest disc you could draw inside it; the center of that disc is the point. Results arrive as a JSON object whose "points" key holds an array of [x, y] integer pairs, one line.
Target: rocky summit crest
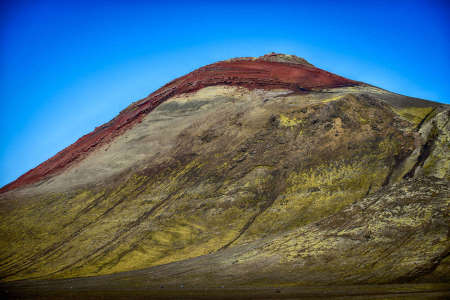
{"points": [[276, 57], [285, 58]]}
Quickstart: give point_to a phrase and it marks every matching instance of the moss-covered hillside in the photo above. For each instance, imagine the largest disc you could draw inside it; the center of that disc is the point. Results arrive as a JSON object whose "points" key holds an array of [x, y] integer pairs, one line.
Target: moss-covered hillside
{"points": [[248, 167], [243, 184]]}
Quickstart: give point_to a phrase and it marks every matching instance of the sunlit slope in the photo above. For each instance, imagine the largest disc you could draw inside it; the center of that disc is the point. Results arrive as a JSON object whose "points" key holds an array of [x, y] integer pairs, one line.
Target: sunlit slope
{"points": [[226, 166]]}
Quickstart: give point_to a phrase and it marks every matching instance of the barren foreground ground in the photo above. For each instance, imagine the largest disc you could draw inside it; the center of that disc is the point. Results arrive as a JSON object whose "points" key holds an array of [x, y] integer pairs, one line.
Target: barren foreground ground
{"points": [[70, 289]]}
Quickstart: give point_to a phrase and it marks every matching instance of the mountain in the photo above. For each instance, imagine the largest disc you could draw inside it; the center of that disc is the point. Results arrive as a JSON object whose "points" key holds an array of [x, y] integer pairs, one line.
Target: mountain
{"points": [[245, 172]]}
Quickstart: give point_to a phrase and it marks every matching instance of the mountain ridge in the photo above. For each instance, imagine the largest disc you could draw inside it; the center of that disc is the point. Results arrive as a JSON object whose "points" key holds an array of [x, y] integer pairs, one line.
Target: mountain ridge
{"points": [[134, 113], [272, 76]]}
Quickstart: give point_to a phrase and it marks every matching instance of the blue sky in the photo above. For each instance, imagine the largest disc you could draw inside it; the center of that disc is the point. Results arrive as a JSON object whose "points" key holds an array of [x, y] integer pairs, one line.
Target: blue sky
{"points": [[69, 66]]}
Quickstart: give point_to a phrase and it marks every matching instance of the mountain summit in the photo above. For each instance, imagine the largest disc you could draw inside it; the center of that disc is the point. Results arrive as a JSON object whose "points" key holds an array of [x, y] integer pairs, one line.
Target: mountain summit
{"points": [[245, 172], [268, 72]]}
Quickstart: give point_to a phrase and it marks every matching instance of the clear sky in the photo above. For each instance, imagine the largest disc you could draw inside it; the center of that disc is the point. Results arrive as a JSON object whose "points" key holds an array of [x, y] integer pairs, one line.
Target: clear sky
{"points": [[69, 66]]}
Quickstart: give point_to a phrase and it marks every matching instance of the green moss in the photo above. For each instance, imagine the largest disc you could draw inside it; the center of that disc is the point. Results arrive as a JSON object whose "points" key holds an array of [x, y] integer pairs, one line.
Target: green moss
{"points": [[413, 114], [332, 99], [289, 122], [318, 192]]}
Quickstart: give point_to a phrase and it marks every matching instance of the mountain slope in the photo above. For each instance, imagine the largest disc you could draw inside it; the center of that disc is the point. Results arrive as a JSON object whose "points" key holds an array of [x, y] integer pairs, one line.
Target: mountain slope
{"points": [[250, 166]]}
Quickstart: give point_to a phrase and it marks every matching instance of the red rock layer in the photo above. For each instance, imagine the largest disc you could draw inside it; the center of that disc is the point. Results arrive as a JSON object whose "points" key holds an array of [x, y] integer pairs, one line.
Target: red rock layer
{"points": [[251, 74]]}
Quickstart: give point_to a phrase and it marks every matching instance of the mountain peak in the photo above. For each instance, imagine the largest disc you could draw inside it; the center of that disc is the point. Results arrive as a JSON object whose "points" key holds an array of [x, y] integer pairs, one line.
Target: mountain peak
{"points": [[267, 72], [285, 58], [254, 170], [276, 57]]}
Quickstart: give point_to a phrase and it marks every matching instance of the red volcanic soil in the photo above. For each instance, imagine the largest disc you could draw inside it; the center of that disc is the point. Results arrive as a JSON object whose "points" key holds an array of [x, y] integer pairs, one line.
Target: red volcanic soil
{"points": [[252, 74]]}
